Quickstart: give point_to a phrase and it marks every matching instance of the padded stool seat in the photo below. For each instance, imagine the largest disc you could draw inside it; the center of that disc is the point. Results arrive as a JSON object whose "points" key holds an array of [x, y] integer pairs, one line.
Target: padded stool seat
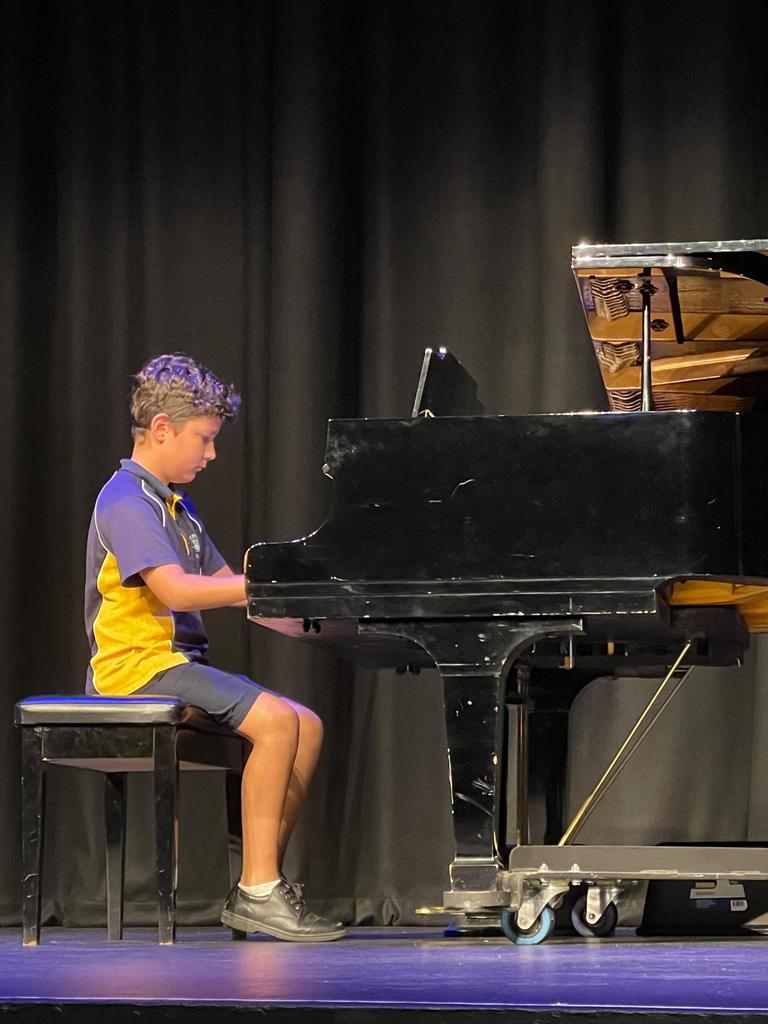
{"points": [[114, 736], [77, 710]]}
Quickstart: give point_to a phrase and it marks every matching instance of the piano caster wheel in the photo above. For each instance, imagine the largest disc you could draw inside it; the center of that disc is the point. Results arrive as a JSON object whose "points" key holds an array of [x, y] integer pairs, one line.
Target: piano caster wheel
{"points": [[310, 624], [605, 925], [542, 928], [238, 936]]}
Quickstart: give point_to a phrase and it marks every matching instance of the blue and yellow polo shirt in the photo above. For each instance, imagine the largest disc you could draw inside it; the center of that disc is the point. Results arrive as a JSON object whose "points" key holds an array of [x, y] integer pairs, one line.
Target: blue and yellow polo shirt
{"points": [[138, 523]]}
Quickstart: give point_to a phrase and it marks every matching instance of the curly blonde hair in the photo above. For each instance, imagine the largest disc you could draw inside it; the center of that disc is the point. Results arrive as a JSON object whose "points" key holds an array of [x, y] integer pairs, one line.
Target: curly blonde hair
{"points": [[181, 387]]}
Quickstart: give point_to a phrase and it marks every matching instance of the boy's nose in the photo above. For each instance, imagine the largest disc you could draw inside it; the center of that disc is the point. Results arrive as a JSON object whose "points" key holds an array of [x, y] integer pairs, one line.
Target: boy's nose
{"points": [[210, 453]]}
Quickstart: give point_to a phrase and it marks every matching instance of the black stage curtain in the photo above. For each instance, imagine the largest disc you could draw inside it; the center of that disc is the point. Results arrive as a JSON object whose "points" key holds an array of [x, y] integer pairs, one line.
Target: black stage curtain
{"points": [[304, 195]]}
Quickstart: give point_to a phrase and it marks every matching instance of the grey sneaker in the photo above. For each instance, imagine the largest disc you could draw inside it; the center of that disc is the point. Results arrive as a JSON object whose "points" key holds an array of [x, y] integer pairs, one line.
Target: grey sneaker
{"points": [[283, 914]]}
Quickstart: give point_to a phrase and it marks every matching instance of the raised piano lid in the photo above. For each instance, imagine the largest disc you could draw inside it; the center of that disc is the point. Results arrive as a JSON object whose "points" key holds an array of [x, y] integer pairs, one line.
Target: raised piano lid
{"points": [[709, 321]]}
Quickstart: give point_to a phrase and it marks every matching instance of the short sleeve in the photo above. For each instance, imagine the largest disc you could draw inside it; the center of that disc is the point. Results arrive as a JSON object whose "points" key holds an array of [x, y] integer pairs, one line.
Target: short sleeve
{"points": [[132, 530]]}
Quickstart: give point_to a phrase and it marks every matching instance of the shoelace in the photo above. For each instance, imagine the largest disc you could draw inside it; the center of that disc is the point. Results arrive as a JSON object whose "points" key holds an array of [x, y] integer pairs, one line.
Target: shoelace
{"points": [[297, 887], [293, 892]]}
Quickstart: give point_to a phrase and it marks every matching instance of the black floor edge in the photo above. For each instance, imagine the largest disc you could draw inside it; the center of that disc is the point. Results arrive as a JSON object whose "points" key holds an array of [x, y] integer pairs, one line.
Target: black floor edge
{"points": [[185, 1013]]}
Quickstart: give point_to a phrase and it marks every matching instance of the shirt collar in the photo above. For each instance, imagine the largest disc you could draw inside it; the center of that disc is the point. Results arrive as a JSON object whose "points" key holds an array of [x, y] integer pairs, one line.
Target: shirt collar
{"points": [[161, 489]]}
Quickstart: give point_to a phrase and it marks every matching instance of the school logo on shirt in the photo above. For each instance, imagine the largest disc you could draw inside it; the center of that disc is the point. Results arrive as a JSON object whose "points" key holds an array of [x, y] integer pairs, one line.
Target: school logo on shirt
{"points": [[194, 543]]}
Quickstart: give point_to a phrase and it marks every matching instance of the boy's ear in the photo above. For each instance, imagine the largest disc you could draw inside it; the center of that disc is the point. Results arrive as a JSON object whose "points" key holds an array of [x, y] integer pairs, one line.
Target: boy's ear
{"points": [[161, 427]]}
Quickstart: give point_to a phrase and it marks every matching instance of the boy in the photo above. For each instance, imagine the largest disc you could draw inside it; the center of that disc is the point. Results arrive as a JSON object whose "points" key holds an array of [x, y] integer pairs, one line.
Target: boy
{"points": [[150, 570]]}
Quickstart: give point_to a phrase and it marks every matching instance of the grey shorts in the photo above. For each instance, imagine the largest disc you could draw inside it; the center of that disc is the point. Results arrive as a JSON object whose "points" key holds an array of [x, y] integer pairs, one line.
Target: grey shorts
{"points": [[227, 698]]}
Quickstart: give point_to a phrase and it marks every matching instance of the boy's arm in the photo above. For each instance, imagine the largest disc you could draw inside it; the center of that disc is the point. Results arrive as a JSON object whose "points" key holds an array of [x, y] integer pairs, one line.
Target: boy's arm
{"points": [[187, 592], [226, 571]]}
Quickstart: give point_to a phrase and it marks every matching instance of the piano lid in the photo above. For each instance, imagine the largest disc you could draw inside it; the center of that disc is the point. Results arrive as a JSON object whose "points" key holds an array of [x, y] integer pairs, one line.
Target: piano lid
{"points": [[709, 321]]}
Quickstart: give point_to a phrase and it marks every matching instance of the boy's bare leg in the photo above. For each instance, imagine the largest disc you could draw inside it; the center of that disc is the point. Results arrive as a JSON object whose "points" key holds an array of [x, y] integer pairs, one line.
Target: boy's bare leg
{"points": [[310, 743], [286, 742], [272, 726]]}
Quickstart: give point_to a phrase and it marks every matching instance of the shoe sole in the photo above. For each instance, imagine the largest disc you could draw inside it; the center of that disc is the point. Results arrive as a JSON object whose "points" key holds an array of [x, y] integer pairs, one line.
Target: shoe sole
{"points": [[243, 924]]}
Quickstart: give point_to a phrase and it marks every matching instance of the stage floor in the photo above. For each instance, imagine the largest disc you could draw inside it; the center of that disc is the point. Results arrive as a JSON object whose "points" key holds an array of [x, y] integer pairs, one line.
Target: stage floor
{"points": [[380, 969]]}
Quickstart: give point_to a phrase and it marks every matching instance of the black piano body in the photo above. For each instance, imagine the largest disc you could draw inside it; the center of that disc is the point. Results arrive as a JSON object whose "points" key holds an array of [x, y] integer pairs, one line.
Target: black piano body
{"points": [[489, 545]]}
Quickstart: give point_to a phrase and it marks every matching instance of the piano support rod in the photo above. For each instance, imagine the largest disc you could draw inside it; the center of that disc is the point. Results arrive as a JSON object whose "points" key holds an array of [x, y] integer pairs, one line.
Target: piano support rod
{"points": [[636, 735], [522, 677]]}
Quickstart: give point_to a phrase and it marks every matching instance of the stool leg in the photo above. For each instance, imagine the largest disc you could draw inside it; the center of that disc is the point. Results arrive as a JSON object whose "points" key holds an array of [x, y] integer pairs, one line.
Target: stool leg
{"points": [[166, 830], [234, 825], [32, 830], [114, 819], [235, 834]]}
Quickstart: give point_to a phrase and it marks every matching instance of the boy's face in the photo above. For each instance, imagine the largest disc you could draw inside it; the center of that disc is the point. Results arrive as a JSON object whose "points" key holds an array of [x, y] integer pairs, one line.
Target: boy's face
{"points": [[188, 447]]}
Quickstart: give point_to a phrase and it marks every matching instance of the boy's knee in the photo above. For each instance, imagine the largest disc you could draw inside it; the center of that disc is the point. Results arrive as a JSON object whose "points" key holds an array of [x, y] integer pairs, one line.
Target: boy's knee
{"points": [[271, 717], [311, 725]]}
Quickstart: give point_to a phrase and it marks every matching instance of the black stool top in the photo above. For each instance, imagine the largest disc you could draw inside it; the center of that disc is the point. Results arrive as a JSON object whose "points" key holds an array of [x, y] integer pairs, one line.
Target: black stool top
{"points": [[57, 709]]}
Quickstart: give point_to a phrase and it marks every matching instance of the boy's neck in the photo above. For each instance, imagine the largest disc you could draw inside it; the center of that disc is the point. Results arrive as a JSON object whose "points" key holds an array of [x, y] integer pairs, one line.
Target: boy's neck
{"points": [[143, 457]]}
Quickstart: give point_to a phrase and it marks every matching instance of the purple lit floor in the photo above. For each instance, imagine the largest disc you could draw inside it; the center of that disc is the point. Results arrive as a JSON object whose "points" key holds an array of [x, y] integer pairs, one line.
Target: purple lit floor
{"points": [[380, 968]]}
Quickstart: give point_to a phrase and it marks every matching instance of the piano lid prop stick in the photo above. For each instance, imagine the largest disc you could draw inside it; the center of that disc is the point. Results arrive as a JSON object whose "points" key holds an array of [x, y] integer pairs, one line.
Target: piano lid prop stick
{"points": [[646, 389], [633, 740]]}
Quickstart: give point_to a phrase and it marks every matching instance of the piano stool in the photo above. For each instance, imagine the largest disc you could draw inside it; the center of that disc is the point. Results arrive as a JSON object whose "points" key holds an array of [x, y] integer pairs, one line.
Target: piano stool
{"points": [[115, 736]]}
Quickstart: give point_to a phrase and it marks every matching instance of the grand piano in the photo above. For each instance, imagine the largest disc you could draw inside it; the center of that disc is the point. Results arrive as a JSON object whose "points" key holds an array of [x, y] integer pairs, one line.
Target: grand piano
{"points": [[515, 552]]}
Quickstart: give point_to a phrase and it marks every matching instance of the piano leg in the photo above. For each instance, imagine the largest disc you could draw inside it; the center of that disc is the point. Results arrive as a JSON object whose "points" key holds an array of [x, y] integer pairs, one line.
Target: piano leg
{"points": [[473, 657]]}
